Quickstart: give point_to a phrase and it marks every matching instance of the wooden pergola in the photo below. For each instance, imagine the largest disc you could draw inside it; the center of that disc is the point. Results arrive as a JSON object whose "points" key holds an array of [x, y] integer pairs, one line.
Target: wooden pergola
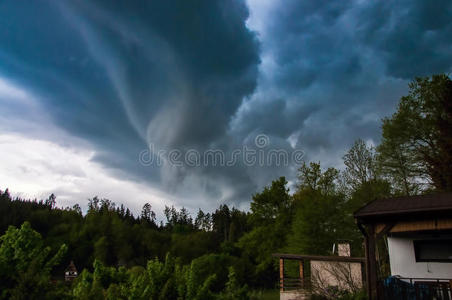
{"points": [[425, 213], [294, 283]]}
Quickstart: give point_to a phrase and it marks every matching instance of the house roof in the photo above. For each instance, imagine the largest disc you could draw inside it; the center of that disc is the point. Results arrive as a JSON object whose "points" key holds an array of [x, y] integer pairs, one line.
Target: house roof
{"points": [[440, 203], [71, 267]]}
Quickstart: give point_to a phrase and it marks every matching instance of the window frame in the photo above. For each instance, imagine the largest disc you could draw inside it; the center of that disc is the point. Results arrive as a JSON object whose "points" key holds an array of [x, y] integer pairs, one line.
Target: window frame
{"points": [[418, 243]]}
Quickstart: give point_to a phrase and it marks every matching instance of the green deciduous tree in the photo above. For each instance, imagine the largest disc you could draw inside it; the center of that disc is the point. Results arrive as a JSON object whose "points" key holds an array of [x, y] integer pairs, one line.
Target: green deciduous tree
{"points": [[167, 280], [312, 178], [319, 219], [417, 140], [272, 203], [271, 214], [363, 176], [233, 290], [360, 164], [25, 264]]}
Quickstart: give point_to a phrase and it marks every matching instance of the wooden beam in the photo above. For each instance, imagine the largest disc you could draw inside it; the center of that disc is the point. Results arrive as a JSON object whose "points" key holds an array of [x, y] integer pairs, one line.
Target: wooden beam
{"points": [[366, 250], [301, 273], [281, 274], [385, 230], [371, 263], [319, 258]]}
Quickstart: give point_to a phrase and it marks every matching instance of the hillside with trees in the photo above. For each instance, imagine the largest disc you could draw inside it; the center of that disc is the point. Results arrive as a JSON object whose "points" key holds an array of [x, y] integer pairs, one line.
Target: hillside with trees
{"points": [[226, 253]]}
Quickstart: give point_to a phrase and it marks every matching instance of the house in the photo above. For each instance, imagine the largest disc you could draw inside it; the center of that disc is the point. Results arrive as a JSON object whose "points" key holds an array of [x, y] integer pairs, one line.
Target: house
{"points": [[418, 231], [71, 272]]}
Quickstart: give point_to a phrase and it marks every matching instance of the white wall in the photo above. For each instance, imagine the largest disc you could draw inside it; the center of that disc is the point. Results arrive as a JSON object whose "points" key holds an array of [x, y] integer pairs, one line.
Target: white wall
{"points": [[294, 295], [345, 275], [403, 261]]}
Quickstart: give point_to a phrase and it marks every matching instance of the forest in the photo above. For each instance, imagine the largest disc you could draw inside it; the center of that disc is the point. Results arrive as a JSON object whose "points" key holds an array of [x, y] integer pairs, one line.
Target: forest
{"points": [[226, 253]]}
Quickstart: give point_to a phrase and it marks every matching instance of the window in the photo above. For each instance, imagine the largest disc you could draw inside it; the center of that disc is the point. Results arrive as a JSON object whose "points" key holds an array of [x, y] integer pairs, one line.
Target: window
{"points": [[433, 250]]}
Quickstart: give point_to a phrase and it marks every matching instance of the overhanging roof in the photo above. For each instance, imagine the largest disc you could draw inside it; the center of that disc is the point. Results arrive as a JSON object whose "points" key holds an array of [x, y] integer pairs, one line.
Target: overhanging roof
{"points": [[431, 204]]}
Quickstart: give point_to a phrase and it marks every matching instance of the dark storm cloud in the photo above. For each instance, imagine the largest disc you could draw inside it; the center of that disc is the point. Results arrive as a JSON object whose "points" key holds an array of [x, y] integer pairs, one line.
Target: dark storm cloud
{"points": [[333, 69], [124, 75], [413, 37]]}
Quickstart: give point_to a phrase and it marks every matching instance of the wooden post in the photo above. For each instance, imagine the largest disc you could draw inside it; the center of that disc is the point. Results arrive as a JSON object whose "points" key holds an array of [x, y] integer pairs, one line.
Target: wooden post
{"points": [[301, 273], [371, 264], [281, 274]]}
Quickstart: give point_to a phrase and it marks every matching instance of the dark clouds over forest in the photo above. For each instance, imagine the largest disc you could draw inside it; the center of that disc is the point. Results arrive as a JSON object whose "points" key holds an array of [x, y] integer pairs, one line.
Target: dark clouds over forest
{"points": [[114, 77]]}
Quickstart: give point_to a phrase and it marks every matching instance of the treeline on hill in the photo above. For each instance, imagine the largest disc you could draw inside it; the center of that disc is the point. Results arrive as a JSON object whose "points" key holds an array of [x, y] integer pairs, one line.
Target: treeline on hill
{"points": [[223, 254]]}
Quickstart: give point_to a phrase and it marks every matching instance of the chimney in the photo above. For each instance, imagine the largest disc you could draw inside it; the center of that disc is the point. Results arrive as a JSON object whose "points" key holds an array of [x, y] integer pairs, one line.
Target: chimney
{"points": [[343, 249]]}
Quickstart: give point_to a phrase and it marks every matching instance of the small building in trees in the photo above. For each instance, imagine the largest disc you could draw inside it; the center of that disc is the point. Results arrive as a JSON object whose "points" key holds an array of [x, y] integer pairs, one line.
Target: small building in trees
{"points": [[71, 272], [415, 233]]}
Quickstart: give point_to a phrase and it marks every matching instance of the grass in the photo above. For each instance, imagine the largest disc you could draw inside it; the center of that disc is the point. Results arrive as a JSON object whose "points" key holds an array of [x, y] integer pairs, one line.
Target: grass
{"points": [[265, 295]]}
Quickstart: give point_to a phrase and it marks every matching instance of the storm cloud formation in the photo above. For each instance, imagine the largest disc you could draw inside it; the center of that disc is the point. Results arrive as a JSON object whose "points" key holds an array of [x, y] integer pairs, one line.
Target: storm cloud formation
{"points": [[332, 69], [124, 75]]}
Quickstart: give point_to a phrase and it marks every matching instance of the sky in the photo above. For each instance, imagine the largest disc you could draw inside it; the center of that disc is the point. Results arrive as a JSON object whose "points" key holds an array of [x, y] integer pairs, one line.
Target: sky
{"points": [[200, 103]]}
